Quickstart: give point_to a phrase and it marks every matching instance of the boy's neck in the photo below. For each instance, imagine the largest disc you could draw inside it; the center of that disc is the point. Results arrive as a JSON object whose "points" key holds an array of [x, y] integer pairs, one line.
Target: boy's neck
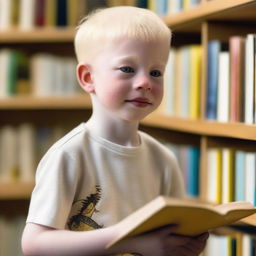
{"points": [[117, 131]]}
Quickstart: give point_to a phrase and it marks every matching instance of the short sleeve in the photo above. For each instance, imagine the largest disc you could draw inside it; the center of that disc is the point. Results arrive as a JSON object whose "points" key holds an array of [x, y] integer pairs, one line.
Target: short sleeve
{"points": [[52, 197]]}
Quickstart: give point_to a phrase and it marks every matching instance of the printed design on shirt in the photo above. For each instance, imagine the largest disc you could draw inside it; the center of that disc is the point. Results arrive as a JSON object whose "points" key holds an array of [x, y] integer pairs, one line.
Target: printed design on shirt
{"points": [[82, 221]]}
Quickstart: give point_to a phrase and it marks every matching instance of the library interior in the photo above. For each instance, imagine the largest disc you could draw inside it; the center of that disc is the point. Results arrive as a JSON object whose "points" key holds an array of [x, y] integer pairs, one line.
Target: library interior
{"points": [[207, 116]]}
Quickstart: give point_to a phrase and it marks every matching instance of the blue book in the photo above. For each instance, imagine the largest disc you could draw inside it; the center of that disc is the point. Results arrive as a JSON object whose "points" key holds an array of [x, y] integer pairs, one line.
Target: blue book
{"points": [[214, 48], [161, 7], [142, 3], [239, 188], [193, 171], [62, 13]]}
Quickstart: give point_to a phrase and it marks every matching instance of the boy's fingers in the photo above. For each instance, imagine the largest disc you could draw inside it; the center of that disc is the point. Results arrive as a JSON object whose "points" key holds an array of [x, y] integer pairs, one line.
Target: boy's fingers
{"points": [[203, 236], [165, 231]]}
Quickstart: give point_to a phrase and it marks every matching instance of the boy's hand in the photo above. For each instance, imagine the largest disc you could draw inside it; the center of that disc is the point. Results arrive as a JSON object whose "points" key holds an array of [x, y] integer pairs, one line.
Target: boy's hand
{"points": [[163, 243]]}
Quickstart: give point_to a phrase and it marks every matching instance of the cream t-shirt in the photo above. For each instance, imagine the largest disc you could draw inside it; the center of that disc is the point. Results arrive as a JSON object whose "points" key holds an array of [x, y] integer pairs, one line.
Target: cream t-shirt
{"points": [[85, 182]]}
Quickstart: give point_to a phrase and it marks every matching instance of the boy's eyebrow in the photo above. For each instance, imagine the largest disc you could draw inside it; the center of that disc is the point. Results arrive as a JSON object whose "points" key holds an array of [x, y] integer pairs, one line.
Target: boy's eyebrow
{"points": [[135, 58], [127, 58]]}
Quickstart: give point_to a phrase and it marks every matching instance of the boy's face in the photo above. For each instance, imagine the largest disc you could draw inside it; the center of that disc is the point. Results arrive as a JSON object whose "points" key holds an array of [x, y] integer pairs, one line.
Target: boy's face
{"points": [[127, 77]]}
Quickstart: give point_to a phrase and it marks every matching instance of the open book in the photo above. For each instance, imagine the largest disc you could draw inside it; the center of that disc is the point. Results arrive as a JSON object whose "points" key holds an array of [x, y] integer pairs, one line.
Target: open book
{"points": [[192, 217]]}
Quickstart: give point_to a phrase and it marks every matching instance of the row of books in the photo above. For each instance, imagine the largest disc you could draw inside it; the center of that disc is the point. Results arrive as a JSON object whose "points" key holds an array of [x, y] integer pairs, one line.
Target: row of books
{"points": [[231, 85], [188, 158], [29, 14], [21, 148], [183, 82], [231, 81], [231, 176], [170, 7], [11, 229], [236, 245], [40, 75]]}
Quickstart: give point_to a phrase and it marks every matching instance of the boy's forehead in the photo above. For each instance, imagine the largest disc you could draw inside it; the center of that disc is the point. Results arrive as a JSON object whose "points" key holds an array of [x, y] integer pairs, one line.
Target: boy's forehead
{"points": [[132, 50]]}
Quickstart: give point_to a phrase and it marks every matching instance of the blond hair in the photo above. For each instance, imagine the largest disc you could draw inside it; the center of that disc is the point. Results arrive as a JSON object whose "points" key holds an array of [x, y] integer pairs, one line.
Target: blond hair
{"points": [[116, 22]]}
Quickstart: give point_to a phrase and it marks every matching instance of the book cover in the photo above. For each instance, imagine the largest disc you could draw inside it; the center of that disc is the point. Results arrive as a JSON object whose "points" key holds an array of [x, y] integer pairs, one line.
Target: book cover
{"points": [[239, 176], [214, 175], [223, 88], [50, 13], [5, 14], [185, 80], [214, 48], [8, 154], [40, 7], [178, 83], [164, 211], [227, 175], [250, 176], [237, 56], [27, 14], [249, 78], [62, 13], [193, 172], [195, 81], [26, 136]]}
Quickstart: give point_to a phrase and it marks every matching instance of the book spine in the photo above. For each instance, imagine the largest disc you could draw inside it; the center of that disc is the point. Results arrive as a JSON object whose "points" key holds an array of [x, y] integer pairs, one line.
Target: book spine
{"points": [[214, 48], [249, 78]]}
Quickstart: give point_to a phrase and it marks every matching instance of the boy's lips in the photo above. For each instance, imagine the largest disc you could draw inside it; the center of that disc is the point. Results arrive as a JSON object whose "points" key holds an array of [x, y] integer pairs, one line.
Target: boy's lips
{"points": [[139, 102]]}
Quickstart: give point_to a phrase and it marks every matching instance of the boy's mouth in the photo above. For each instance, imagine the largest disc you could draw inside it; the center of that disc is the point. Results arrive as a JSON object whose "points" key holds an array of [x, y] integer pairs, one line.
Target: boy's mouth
{"points": [[139, 102]]}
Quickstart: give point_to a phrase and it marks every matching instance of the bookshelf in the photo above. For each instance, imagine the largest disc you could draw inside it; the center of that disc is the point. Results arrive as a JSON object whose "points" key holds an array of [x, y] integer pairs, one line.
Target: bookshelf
{"points": [[216, 19]]}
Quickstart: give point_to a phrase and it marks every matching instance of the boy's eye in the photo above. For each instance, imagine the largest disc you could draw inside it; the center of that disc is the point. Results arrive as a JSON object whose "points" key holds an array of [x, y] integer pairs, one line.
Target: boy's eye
{"points": [[127, 69], [155, 73]]}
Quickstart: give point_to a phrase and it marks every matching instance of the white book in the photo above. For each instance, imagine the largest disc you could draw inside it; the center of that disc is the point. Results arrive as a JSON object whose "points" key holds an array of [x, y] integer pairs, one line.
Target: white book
{"points": [[42, 74], [227, 175], [58, 88], [27, 152], [246, 245], [213, 175], [27, 14], [217, 246], [223, 88], [70, 85], [250, 177], [169, 84], [4, 67], [8, 153], [249, 78], [5, 14], [4, 241], [185, 81]]}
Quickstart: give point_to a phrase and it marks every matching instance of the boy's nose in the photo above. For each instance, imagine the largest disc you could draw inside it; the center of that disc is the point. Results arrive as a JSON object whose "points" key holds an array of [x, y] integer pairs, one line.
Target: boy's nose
{"points": [[143, 82]]}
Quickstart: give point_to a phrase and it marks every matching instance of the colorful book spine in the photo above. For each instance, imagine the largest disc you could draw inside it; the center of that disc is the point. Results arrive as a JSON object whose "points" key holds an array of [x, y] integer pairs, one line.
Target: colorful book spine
{"points": [[214, 48], [249, 78], [237, 56], [195, 81], [223, 91]]}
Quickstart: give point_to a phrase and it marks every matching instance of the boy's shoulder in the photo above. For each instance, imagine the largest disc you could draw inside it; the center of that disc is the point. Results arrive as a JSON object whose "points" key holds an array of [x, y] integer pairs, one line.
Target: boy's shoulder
{"points": [[73, 139]]}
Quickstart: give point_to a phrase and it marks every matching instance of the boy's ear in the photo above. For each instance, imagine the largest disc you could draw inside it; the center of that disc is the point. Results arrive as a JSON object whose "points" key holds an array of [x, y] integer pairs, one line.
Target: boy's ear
{"points": [[84, 76]]}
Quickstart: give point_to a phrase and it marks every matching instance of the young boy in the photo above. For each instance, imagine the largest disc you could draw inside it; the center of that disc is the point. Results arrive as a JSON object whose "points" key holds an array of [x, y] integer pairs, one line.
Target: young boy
{"points": [[105, 169]]}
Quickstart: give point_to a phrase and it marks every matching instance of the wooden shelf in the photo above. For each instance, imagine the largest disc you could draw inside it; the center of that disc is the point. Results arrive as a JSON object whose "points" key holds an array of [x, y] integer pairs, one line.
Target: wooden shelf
{"points": [[45, 35], [228, 10], [54, 102], [208, 128], [15, 190]]}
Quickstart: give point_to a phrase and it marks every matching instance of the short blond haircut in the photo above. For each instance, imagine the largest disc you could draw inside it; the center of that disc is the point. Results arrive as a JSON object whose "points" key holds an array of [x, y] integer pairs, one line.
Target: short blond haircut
{"points": [[104, 25]]}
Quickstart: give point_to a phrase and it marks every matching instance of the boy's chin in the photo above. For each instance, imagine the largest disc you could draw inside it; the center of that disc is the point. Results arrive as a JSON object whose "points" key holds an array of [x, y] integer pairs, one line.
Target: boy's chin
{"points": [[135, 117]]}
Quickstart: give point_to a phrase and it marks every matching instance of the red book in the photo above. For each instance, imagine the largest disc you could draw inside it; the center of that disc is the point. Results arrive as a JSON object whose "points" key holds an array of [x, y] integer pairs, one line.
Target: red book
{"points": [[40, 13], [237, 56]]}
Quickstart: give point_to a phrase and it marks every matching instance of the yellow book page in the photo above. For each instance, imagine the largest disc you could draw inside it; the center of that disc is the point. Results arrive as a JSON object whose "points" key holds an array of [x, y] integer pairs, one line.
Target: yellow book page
{"points": [[192, 218]]}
